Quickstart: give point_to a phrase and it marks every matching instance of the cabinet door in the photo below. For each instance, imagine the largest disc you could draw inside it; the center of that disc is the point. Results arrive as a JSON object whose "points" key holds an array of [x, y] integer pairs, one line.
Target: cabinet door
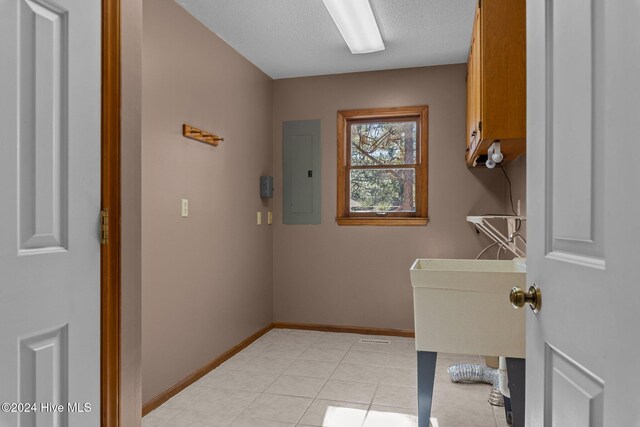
{"points": [[477, 89], [473, 90], [503, 72], [470, 102]]}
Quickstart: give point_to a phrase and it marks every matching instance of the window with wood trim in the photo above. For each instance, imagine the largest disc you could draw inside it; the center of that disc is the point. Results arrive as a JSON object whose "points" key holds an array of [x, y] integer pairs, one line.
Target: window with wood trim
{"points": [[382, 166]]}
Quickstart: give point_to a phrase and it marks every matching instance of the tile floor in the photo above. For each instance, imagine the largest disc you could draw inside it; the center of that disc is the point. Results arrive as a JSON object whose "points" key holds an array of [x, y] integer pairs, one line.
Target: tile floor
{"points": [[291, 378]]}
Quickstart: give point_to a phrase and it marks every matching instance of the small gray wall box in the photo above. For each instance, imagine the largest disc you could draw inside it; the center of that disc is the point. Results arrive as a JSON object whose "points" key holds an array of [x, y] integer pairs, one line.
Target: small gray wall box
{"points": [[266, 186]]}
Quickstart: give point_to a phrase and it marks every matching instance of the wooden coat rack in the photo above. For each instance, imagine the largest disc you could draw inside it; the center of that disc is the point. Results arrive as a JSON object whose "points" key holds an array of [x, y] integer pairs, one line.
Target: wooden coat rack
{"points": [[200, 135]]}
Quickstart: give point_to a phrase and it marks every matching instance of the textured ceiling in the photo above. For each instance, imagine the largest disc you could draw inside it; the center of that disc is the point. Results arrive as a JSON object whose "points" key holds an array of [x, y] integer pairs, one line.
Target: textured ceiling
{"points": [[293, 38]]}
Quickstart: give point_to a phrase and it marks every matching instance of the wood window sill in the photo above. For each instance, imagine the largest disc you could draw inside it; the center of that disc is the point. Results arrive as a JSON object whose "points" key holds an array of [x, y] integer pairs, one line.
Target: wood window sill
{"points": [[383, 221]]}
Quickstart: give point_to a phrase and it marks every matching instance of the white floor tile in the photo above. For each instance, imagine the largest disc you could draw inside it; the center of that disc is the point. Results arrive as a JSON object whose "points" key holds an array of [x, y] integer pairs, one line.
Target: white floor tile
{"points": [[197, 418], [361, 373], [396, 396], [311, 368], [274, 407], [328, 413], [305, 333], [399, 376], [257, 363], [220, 401], [256, 422], [159, 417], [291, 385], [348, 391], [238, 380], [381, 416], [338, 341], [396, 345], [332, 344], [287, 350], [396, 360], [323, 354]]}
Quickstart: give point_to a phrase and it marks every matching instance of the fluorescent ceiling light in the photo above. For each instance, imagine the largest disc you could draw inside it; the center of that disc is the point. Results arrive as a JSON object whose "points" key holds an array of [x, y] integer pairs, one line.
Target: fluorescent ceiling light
{"points": [[357, 24]]}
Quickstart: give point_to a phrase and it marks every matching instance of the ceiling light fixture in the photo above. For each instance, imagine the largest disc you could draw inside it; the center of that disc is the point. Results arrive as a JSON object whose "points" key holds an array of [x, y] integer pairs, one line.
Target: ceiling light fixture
{"points": [[357, 24]]}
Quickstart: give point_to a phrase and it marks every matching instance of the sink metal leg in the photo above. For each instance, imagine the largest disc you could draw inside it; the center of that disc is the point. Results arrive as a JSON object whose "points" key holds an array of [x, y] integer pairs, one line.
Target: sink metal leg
{"points": [[508, 413], [426, 377], [516, 371]]}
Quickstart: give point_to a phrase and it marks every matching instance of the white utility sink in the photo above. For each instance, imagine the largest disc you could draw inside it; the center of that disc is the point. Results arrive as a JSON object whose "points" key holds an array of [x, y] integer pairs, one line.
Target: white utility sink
{"points": [[462, 306]]}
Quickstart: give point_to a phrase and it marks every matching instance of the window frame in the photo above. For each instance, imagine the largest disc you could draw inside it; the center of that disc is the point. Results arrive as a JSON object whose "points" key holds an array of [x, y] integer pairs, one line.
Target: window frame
{"points": [[418, 113]]}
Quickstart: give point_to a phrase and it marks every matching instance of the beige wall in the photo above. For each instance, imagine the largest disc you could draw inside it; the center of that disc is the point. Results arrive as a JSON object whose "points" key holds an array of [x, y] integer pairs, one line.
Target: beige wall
{"points": [[131, 147], [517, 171], [207, 279], [359, 276]]}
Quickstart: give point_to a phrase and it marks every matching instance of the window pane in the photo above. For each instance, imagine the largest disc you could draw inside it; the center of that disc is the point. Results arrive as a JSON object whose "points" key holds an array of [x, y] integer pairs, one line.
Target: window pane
{"points": [[383, 190], [383, 143]]}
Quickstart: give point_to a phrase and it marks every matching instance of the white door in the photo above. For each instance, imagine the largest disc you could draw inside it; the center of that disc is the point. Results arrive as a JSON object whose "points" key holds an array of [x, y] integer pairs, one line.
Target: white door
{"points": [[49, 212], [583, 120]]}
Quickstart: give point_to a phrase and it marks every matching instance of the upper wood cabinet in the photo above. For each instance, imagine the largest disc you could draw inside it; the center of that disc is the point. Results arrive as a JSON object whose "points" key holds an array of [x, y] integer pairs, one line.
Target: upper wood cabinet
{"points": [[496, 80]]}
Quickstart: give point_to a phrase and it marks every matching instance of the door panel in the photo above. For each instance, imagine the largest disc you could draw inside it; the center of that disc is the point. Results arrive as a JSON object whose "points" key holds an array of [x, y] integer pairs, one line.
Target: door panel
{"points": [[582, 224], [575, 392], [50, 81], [43, 51], [43, 374], [574, 125], [569, 56]]}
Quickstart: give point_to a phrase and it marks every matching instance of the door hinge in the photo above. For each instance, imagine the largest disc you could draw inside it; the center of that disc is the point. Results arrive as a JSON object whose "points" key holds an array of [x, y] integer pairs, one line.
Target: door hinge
{"points": [[480, 126], [104, 226]]}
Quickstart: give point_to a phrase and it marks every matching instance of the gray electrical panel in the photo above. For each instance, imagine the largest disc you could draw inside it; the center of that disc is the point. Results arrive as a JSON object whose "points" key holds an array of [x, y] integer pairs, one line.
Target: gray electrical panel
{"points": [[266, 187], [301, 172]]}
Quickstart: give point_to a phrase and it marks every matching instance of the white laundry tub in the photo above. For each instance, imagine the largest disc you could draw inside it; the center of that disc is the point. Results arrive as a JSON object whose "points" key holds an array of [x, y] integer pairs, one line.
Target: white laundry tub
{"points": [[462, 306]]}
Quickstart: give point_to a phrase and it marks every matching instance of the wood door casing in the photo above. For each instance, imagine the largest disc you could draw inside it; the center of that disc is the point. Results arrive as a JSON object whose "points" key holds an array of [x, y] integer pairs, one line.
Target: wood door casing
{"points": [[110, 189]]}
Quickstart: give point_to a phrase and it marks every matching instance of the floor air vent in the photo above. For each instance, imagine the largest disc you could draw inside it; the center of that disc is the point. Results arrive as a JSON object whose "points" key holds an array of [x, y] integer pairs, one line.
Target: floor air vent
{"points": [[374, 341]]}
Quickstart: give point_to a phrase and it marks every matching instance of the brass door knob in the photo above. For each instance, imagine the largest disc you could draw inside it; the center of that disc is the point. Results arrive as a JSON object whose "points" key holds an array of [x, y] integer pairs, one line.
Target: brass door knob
{"points": [[519, 298]]}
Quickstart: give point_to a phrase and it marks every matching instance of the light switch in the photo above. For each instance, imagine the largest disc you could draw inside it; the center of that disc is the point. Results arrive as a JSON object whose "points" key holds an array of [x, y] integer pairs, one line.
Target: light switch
{"points": [[269, 217], [259, 218], [185, 208]]}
